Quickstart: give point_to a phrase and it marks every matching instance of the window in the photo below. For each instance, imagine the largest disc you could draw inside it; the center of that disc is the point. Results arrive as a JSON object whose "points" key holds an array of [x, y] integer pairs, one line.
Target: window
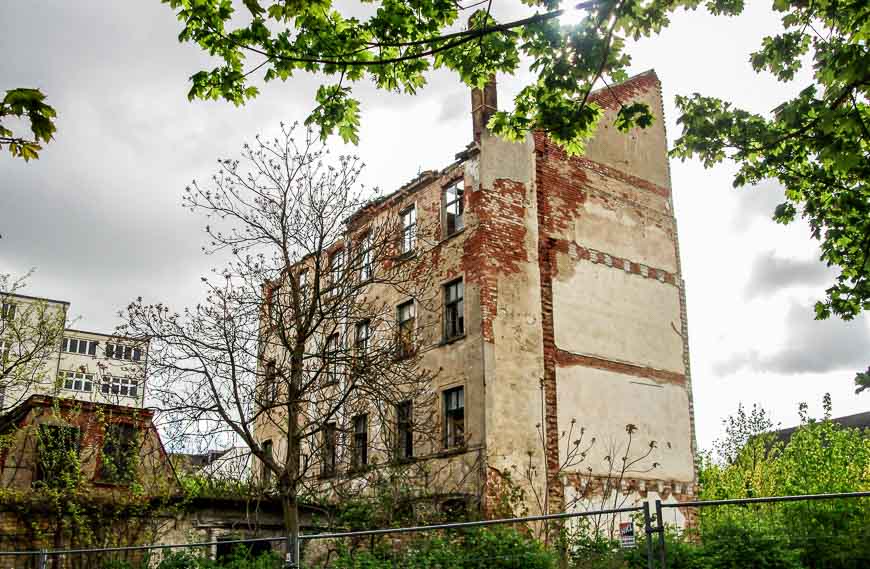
{"points": [[267, 472], [454, 318], [361, 339], [336, 270], [126, 386], [409, 230], [78, 381], [329, 447], [121, 352], [76, 346], [331, 359], [454, 417], [360, 441], [453, 208], [407, 315], [8, 311], [302, 281], [366, 269], [270, 381], [404, 430], [5, 350], [119, 454], [57, 448]]}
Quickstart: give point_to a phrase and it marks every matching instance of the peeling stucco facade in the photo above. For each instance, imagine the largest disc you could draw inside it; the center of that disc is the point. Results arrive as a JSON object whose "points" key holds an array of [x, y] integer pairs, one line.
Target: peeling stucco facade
{"points": [[574, 309]]}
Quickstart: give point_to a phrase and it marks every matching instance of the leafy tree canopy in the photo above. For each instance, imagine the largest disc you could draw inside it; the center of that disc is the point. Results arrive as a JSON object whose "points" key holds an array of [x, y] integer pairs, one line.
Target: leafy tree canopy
{"points": [[815, 144], [394, 43], [26, 104]]}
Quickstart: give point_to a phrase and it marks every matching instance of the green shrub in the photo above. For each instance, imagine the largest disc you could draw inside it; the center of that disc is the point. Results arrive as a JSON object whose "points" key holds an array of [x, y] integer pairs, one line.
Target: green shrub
{"points": [[736, 545], [499, 548]]}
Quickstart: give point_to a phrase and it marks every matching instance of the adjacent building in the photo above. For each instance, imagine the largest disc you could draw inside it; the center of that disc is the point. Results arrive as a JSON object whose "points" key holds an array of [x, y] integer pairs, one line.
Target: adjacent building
{"points": [[41, 355], [560, 310]]}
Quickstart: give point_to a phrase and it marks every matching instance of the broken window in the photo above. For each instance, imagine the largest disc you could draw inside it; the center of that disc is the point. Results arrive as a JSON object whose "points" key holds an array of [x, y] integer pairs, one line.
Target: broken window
{"points": [[454, 417], [404, 430], [119, 454], [331, 359], [271, 382], [366, 269], [453, 208], [8, 311], [407, 315], [454, 318], [360, 441], [330, 434], [57, 463], [336, 270], [267, 472], [409, 230]]}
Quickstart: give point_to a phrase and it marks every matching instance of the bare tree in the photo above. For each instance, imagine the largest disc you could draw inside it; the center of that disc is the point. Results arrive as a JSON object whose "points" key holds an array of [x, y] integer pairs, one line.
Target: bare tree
{"points": [[31, 330], [297, 350]]}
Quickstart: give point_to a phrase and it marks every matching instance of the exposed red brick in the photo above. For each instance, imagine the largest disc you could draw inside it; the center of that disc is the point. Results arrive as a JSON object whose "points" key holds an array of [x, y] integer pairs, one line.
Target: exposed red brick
{"points": [[613, 97], [496, 245], [578, 252], [565, 358], [580, 165]]}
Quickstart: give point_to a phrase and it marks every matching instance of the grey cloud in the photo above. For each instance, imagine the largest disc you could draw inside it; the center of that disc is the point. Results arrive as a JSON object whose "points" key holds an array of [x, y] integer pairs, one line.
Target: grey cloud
{"points": [[810, 346], [757, 202], [771, 274], [456, 105], [98, 215]]}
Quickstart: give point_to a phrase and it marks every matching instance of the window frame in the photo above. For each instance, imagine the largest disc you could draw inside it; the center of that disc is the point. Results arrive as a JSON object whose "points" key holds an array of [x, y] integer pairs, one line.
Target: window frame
{"points": [[408, 241], [270, 380], [330, 358], [406, 329], [450, 307], [89, 346], [83, 378], [453, 416], [360, 442], [117, 384], [404, 430], [39, 472], [361, 341], [458, 189], [336, 272], [329, 451], [120, 478], [266, 474], [367, 265], [123, 352], [7, 310]]}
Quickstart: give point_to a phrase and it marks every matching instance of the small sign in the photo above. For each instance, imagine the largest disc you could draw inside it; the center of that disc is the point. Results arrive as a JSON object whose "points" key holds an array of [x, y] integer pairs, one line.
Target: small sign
{"points": [[626, 534]]}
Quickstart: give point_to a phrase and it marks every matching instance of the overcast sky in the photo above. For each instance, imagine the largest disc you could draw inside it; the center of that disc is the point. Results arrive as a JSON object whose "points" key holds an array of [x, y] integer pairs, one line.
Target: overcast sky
{"points": [[99, 216]]}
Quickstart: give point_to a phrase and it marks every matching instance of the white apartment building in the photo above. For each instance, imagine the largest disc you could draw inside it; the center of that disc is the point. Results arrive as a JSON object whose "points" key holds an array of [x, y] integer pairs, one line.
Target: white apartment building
{"points": [[84, 365]]}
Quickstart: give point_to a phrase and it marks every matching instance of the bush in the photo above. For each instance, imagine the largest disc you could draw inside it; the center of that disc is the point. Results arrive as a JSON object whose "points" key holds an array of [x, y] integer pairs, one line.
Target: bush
{"points": [[469, 549]]}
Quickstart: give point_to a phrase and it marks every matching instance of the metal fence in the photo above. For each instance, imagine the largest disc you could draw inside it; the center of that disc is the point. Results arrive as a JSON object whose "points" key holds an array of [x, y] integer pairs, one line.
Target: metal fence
{"points": [[825, 531]]}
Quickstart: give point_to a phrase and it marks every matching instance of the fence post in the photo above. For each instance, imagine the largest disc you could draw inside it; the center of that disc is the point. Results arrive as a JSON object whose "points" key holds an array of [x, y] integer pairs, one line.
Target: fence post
{"points": [[42, 559], [661, 529], [647, 526], [291, 561]]}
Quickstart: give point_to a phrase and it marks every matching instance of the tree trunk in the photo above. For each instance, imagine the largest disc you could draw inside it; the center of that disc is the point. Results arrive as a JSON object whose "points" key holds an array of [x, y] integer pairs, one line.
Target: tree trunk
{"points": [[290, 507]]}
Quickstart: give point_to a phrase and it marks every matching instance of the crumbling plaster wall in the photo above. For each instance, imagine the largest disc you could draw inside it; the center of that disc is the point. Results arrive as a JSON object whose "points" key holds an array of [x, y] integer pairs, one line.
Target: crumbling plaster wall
{"points": [[504, 198], [617, 310]]}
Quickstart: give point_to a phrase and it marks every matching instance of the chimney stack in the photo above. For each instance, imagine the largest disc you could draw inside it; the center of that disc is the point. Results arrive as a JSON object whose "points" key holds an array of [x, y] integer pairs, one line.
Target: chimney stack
{"points": [[483, 105]]}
